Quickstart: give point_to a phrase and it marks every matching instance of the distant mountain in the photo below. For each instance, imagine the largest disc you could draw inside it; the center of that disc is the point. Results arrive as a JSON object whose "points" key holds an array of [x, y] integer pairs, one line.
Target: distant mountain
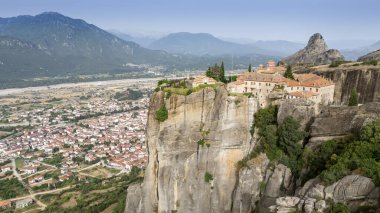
{"points": [[202, 44], [144, 41], [76, 46], [375, 55], [354, 54], [50, 44], [18, 57], [316, 52], [279, 47]]}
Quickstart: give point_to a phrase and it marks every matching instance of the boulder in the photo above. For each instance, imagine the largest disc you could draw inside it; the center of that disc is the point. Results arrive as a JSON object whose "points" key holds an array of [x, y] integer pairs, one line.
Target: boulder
{"points": [[351, 187], [287, 201], [301, 110]]}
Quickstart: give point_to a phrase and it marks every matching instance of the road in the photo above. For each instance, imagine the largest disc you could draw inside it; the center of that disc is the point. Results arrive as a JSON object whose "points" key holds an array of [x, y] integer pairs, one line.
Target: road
{"points": [[89, 167], [54, 191], [31, 192]]}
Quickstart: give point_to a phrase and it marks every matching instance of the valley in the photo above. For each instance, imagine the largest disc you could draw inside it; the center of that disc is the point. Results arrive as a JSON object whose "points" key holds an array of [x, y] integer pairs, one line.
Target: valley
{"points": [[58, 148]]}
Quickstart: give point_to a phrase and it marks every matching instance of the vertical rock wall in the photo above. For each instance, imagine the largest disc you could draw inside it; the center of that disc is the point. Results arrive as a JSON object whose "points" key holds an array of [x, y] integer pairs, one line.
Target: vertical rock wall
{"points": [[175, 175]]}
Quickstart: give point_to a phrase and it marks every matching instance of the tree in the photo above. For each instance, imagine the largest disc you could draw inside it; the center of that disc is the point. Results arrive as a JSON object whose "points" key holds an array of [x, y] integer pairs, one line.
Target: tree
{"points": [[216, 72], [222, 78], [162, 114], [289, 136], [353, 101], [289, 73], [250, 68]]}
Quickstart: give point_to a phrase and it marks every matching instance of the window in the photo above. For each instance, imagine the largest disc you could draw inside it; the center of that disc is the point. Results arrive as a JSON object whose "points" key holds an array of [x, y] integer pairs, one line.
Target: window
{"points": [[304, 89], [316, 89]]}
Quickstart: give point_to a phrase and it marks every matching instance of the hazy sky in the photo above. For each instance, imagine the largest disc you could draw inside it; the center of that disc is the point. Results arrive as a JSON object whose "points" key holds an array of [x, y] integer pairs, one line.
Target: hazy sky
{"points": [[292, 20]]}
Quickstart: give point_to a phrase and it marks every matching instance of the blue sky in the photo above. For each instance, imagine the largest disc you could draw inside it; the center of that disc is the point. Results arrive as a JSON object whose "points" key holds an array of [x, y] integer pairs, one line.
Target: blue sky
{"points": [[293, 20]]}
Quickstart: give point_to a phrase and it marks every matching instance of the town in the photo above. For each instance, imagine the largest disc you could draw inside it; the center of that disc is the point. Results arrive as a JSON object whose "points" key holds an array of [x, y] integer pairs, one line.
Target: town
{"points": [[55, 137]]}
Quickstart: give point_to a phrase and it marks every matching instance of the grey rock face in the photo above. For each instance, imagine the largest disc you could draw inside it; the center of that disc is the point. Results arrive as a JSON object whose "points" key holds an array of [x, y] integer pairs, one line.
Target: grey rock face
{"points": [[175, 175], [133, 202], [280, 179], [301, 110], [251, 182], [316, 52], [364, 79], [343, 120]]}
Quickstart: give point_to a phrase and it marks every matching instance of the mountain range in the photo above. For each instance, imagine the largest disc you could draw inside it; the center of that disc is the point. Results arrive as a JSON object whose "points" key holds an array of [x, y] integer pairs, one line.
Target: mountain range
{"points": [[51, 44], [63, 46]]}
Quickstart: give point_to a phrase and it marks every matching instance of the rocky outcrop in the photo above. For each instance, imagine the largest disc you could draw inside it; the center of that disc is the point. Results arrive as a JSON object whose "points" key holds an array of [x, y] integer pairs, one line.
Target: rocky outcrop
{"points": [[336, 122], [251, 184], [302, 110], [133, 203], [316, 52], [206, 132], [370, 56], [278, 183], [313, 196]]}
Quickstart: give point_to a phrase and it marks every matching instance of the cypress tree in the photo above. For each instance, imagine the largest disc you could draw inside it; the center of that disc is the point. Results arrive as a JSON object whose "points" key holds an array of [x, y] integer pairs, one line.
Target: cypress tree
{"points": [[222, 78], [289, 73], [250, 68], [353, 101]]}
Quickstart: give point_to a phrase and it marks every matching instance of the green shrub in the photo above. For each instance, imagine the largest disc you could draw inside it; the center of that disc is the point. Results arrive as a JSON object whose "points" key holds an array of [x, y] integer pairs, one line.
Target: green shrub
{"points": [[354, 99], [338, 208], [168, 94], [201, 142], [371, 62], [361, 155], [336, 63], [163, 81], [208, 177], [162, 114]]}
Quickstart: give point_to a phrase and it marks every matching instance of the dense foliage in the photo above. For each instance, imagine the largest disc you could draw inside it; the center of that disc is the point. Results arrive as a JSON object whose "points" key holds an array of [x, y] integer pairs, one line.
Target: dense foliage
{"points": [[56, 160], [371, 62], [130, 94], [361, 155], [338, 208], [96, 202], [161, 114], [281, 143], [216, 72], [11, 188]]}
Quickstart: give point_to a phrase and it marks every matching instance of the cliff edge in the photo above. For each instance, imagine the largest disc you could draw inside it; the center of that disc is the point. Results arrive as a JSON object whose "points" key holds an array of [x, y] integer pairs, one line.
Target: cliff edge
{"points": [[193, 154]]}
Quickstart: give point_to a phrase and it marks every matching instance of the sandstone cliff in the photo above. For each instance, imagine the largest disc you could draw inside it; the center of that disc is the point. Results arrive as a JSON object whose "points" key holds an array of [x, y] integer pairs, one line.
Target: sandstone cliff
{"points": [[365, 79], [208, 132], [175, 175], [316, 52]]}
